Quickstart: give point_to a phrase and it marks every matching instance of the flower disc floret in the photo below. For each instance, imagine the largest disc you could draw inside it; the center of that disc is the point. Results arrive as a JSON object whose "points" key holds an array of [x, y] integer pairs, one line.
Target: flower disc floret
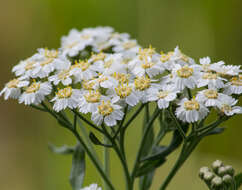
{"points": [[142, 83], [185, 72], [64, 93], [105, 108], [237, 81], [123, 91], [191, 105], [93, 96], [13, 83], [210, 76], [34, 87], [211, 94]]}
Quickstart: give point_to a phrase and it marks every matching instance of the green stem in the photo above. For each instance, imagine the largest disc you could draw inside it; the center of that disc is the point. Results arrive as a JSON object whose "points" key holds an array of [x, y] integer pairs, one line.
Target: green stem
{"points": [[106, 162], [143, 140]]}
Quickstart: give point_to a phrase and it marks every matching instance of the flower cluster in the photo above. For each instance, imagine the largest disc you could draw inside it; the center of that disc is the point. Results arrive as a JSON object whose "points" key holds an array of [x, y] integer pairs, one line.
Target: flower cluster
{"points": [[101, 72]]}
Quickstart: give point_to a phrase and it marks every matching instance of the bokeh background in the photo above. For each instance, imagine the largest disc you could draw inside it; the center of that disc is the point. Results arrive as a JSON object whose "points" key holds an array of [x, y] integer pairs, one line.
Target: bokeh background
{"points": [[200, 27]]}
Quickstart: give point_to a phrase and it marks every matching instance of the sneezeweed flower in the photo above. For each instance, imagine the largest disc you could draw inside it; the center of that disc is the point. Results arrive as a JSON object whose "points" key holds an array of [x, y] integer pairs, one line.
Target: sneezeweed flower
{"points": [[163, 95], [109, 112], [66, 98], [191, 110], [35, 93], [92, 187], [13, 88]]}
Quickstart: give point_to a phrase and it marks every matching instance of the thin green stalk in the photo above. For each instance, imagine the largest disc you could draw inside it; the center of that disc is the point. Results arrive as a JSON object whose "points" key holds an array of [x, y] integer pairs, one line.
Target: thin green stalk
{"points": [[147, 129], [106, 162]]}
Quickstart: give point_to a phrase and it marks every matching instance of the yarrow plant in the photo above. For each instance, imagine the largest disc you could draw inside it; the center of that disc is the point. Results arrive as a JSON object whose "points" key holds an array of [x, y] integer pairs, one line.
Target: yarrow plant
{"points": [[104, 79]]}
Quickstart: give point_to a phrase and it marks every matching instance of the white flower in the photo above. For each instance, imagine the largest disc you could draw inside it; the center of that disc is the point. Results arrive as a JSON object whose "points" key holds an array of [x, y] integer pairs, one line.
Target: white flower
{"points": [[232, 70], [90, 100], [210, 97], [208, 67], [66, 98], [234, 86], [147, 62], [83, 70], [185, 76], [92, 187], [104, 81], [125, 93], [63, 76], [163, 95], [12, 88], [108, 112], [35, 93], [191, 110], [178, 57], [212, 80], [228, 108]]}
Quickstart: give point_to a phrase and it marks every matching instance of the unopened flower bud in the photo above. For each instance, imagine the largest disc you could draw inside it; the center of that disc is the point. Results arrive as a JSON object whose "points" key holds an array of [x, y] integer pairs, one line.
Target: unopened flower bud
{"points": [[217, 164], [229, 170], [202, 171], [227, 179], [217, 181], [222, 171], [208, 176]]}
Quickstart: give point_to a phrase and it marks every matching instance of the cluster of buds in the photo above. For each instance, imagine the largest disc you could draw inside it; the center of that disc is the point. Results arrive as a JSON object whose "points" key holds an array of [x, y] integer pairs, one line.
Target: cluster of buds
{"points": [[219, 177]]}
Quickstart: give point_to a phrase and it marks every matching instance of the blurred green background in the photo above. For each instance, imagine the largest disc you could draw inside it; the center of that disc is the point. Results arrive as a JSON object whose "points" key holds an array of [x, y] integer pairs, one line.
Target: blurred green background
{"points": [[200, 27]]}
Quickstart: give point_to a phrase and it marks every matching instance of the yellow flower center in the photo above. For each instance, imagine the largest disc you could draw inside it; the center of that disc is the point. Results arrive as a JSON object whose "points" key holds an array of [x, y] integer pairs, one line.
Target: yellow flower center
{"points": [[107, 64], [237, 81], [162, 94], [142, 83], [98, 57], [33, 88], [105, 108], [185, 72], [211, 94], [63, 74], [13, 83], [102, 79], [147, 64], [144, 53], [121, 77], [209, 76], [85, 36], [123, 91], [51, 53], [83, 65], [129, 44], [93, 97], [191, 105], [226, 108], [166, 57], [64, 93], [206, 67], [88, 85], [47, 61], [71, 45], [29, 65]]}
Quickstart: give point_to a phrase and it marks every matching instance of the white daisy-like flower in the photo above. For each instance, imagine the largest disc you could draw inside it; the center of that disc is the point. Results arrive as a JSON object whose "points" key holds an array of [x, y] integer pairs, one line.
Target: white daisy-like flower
{"points": [[92, 187], [107, 112], [66, 98], [208, 67], [231, 70], [127, 47], [177, 57], [90, 100], [163, 95], [147, 62], [104, 81], [35, 93], [125, 93], [234, 86], [141, 88], [212, 80], [227, 106], [191, 110], [13, 88], [210, 97], [185, 76], [63, 76], [83, 70], [48, 61]]}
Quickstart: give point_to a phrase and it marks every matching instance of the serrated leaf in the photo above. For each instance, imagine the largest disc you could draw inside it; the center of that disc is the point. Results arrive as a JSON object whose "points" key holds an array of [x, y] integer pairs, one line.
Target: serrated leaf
{"points": [[78, 168], [64, 150], [149, 166], [238, 180]]}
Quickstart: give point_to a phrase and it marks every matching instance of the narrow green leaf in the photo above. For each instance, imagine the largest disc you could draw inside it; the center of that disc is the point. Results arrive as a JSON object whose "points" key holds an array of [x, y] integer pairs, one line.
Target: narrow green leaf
{"points": [[149, 166], [215, 131], [238, 180], [64, 150], [96, 141], [78, 168]]}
